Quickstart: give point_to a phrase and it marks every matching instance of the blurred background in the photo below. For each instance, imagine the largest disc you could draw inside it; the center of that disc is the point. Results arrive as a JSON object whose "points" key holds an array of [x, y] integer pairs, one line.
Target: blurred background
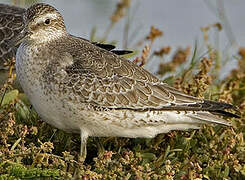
{"points": [[180, 21]]}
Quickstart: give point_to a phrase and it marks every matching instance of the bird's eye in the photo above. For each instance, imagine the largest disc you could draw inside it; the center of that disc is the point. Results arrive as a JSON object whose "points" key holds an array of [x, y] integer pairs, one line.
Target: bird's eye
{"points": [[47, 21]]}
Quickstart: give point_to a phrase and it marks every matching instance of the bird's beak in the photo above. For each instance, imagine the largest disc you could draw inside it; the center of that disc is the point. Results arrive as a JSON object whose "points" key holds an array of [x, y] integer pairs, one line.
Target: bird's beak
{"points": [[19, 38]]}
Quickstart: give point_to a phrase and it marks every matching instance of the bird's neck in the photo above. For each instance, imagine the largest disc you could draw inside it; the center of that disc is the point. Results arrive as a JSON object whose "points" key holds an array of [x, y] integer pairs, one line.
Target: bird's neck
{"points": [[42, 37]]}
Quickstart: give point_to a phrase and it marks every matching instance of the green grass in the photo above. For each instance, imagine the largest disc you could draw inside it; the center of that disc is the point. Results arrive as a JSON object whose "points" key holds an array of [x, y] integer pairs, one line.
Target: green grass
{"points": [[31, 149]]}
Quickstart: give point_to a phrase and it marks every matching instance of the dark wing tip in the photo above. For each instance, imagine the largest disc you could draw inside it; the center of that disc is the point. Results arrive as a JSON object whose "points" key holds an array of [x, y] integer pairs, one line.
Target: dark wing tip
{"points": [[111, 48], [121, 52], [108, 47], [219, 108], [225, 113]]}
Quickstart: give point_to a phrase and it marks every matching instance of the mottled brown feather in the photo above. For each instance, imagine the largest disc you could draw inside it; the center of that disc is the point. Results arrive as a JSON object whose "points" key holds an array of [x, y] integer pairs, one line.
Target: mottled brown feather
{"points": [[100, 78], [11, 24], [117, 83]]}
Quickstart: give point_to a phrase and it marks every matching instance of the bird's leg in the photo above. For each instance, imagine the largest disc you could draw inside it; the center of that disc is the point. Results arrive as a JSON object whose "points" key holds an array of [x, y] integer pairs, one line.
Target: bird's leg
{"points": [[84, 137], [83, 153], [99, 145]]}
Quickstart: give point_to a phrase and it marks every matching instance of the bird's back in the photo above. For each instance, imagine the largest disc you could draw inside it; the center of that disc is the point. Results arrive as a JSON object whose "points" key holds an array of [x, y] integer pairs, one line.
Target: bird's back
{"points": [[105, 80], [11, 24]]}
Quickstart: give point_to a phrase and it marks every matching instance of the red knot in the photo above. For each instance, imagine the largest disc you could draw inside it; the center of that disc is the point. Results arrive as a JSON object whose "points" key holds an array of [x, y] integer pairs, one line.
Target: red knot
{"points": [[79, 87]]}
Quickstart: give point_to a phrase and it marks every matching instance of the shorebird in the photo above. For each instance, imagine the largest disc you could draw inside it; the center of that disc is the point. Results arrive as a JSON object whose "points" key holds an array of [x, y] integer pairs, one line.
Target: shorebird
{"points": [[79, 87], [11, 24]]}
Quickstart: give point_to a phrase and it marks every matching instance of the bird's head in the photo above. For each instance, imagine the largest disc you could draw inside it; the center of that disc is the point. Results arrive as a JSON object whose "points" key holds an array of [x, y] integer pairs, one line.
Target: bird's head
{"points": [[43, 23]]}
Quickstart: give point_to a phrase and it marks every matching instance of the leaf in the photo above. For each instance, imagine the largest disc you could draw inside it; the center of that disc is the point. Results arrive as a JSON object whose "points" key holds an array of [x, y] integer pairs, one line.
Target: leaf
{"points": [[10, 97], [23, 111], [24, 99], [147, 157]]}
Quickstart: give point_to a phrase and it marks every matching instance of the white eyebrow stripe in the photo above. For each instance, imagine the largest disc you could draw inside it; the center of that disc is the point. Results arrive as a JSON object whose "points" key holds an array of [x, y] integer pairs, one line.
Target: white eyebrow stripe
{"points": [[51, 15]]}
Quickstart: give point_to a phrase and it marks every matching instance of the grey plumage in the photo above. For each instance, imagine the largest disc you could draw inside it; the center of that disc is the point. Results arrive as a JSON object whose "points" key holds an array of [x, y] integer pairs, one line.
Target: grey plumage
{"points": [[82, 88], [11, 24]]}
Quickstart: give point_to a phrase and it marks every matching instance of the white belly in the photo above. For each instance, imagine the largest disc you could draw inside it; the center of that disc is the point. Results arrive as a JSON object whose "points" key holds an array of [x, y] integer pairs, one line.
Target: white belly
{"points": [[49, 107], [57, 110]]}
